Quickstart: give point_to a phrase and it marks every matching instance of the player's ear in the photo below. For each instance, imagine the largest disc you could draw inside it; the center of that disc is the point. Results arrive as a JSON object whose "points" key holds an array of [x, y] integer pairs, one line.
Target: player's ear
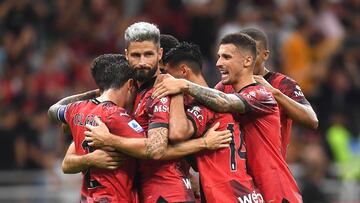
{"points": [[126, 54], [266, 54], [184, 69], [130, 84], [248, 60], [160, 53]]}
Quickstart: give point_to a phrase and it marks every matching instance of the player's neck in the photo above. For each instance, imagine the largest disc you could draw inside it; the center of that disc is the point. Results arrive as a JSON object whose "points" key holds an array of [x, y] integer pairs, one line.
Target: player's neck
{"points": [[243, 82], [113, 96], [198, 80], [263, 70]]}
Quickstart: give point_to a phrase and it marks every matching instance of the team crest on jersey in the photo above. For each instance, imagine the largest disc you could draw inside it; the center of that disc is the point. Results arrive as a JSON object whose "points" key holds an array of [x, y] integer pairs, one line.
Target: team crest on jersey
{"points": [[135, 126], [163, 100]]}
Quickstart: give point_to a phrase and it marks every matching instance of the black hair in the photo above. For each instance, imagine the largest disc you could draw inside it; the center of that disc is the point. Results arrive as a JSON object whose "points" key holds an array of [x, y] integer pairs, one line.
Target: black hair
{"points": [[168, 42], [257, 35], [111, 71], [187, 53], [241, 41]]}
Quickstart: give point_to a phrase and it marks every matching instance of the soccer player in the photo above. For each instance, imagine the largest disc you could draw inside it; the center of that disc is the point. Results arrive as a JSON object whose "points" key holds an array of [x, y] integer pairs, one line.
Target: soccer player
{"points": [[292, 102], [223, 172], [160, 180], [112, 74], [256, 110]]}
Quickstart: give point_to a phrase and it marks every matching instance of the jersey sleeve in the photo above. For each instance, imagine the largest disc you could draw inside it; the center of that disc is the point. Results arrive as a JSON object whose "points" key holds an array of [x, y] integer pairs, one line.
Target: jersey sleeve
{"points": [[258, 100], [159, 111], [122, 124], [64, 113], [199, 117], [292, 89]]}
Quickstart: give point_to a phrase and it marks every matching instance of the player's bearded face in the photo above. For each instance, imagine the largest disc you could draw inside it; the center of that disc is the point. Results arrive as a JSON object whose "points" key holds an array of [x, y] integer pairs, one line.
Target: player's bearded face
{"points": [[144, 72], [144, 58]]}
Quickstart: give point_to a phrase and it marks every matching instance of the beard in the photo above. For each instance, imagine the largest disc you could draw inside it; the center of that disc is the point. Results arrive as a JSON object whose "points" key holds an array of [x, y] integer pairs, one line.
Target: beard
{"points": [[143, 74]]}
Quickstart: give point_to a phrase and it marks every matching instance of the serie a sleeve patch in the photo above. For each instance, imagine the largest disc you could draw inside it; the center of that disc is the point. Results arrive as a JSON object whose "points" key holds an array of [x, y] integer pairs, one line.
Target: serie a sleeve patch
{"points": [[135, 126]]}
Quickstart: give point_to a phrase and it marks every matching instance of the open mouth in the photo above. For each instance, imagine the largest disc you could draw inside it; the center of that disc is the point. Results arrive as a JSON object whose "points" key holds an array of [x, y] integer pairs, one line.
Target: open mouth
{"points": [[224, 73]]}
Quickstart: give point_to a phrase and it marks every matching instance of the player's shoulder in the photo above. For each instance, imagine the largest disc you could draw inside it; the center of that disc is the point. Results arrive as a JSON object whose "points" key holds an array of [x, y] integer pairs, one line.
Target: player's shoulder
{"points": [[282, 78], [256, 91], [77, 106], [118, 113], [254, 87], [148, 97]]}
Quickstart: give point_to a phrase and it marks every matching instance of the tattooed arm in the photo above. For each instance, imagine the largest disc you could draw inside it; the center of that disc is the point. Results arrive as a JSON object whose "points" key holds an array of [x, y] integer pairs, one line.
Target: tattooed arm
{"points": [[145, 148], [53, 110], [214, 99], [156, 145]]}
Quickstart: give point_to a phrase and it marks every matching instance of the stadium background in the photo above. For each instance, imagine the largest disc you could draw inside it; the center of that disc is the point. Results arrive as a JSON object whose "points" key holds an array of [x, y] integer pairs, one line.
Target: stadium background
{"points": [[46, 48]]}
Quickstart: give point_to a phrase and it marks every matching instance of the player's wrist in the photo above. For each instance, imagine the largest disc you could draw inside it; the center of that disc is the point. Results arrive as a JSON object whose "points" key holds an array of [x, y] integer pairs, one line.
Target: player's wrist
{"points": [[185, 85], [204, 143], [87, 160], [275, 92], [109, 140]]}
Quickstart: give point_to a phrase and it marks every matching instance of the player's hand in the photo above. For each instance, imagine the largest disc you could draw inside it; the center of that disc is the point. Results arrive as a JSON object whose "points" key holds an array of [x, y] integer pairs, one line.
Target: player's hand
{"points": [[217, 139], [98, 136], [260, 79], [105, 159], [168, 86], [160, 78]]}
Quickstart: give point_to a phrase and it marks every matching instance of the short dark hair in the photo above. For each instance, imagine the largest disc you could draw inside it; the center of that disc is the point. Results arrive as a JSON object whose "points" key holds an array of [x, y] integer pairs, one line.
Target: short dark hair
{"points": [[168, 42], [186, 53], [111, 71], [241, 41], [257, 35]]}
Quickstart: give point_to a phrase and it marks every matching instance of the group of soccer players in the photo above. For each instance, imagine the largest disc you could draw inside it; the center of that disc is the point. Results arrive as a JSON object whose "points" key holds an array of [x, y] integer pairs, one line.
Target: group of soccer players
{"points": [[136, 137]]}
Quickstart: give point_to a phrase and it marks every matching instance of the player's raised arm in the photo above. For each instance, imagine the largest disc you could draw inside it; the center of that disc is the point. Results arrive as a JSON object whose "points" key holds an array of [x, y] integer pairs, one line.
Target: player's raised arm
{"points": [[214, 99], [54, 110], [301, 113], [152, 147]]}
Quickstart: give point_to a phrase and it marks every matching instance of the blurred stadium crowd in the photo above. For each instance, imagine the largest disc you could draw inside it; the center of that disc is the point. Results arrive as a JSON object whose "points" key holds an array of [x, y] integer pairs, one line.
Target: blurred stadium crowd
{"points": [[46, 48]]}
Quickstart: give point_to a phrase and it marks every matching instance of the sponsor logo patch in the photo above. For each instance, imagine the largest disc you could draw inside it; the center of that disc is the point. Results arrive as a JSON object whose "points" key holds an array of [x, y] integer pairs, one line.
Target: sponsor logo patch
{"points": [[135, 126]]}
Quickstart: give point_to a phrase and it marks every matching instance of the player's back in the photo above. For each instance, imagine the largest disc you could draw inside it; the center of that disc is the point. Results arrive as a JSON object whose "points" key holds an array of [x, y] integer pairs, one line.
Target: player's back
{"points": [[261, 127], [222, 172], [290, 88], [160, 180], [103, 185]]}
